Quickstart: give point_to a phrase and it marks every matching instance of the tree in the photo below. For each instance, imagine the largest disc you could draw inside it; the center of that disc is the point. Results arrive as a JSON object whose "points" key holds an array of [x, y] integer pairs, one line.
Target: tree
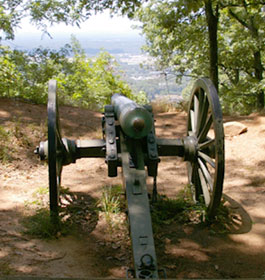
{"points": [[83, 81], [25, 74], [212, 18], [183, 35], [90, 82], [205, 37], [10, 77], [250, 15], [48, 12], [9, 18]]}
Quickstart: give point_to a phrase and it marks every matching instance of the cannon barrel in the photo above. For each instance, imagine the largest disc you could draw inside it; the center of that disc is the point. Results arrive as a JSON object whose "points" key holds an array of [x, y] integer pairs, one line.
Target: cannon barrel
{"points": [[135, 120]]}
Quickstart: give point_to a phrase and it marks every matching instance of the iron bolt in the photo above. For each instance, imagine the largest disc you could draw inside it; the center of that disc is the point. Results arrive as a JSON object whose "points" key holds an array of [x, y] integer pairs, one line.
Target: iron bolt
{"points": [[153, 154], [37, 150], [151, 140], [146, 260], [110, 122], [112, 155], [137, 182]]}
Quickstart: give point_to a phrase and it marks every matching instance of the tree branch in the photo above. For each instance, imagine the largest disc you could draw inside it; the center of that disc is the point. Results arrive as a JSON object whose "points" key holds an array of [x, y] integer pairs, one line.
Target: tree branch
{"points": [[234, 15]]}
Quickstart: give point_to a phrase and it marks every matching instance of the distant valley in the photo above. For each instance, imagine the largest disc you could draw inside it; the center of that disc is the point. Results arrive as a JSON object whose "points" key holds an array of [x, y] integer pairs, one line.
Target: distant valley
{"points": [[91, 43], [137, 69]]}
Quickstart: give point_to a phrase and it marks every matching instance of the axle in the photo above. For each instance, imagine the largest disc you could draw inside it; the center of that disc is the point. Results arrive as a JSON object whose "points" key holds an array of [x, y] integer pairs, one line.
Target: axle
{"points": [[96, 148]]}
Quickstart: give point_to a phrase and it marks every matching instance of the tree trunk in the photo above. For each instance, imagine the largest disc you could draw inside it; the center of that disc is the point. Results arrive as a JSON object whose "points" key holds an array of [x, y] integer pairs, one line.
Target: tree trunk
{"points": [[259, 76], [212, 23]]}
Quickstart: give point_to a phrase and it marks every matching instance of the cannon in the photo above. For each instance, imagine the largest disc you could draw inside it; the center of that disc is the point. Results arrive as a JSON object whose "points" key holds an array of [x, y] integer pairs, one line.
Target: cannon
{"points": [[129, 141]]}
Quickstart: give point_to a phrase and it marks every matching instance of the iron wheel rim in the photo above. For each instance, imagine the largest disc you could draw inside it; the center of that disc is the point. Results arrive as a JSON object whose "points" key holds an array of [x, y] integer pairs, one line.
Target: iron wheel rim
{"points": [[54, 149], [205, 124]]}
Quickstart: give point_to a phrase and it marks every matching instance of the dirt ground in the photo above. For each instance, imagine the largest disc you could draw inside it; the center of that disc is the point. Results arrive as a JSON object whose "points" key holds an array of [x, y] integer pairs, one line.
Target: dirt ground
{"points": [[184, 250]]}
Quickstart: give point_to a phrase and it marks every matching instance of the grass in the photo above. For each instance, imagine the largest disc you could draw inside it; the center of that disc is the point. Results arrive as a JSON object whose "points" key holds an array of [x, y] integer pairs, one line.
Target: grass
{"points": [[110, 201], [37, 220], [166, 211], [18, 136], [40, 199], [40, 225], [164, 105], [183, 210], [112, 205], [4, 148], [220, 224], [77, 213], [5, 268]]}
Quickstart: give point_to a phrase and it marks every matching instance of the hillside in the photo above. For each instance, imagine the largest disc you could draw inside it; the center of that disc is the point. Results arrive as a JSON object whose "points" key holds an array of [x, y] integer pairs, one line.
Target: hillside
{"points": [[184, 249]]}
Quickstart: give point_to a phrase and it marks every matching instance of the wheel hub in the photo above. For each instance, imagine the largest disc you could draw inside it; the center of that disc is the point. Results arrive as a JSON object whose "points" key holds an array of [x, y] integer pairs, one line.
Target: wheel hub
{"points": [[190, 148]]}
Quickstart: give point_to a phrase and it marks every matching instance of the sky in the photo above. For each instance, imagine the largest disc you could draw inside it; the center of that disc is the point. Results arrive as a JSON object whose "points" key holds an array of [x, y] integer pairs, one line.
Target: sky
{"points": [[101, 23], [99, 31]]}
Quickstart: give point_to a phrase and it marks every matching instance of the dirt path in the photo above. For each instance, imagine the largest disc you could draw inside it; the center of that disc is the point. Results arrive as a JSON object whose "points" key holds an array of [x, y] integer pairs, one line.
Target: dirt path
{"points": [[185, 250]]}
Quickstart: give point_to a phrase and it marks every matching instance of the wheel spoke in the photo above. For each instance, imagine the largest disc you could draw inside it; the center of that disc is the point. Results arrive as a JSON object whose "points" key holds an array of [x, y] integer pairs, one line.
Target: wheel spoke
{"points": [[206, 158], [200, 113], [206, 144], [192, 121], [196, 113], [206, 174], [205, 190], [59, 166], [204, 113], [194, 180], [190, 171], [205, 129]]}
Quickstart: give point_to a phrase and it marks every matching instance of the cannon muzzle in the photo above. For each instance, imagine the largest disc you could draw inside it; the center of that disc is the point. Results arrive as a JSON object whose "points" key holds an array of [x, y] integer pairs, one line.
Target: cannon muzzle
{"points": [[135, 120]]}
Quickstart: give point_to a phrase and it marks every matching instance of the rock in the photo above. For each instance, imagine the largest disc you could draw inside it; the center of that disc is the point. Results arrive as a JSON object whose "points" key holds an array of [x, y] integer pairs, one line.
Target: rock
{"points": [[234, 128], [167, 241], [216, 266]]}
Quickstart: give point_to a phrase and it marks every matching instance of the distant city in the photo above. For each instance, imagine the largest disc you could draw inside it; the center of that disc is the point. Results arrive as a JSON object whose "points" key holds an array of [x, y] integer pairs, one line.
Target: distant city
{"points": [[137, 68], [91, 43]]}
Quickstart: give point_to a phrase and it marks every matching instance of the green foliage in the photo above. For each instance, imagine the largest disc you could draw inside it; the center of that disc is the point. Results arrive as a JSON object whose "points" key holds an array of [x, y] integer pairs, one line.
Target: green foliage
{"points": [[40, 225], [90, 82], [242, 55], [240, 98], [110, 201], [182, 209], [38, 222], [111, 204], [44, 12], [179, 209], [82, 81], [6, 268], [167, 210], [176, 35], [9, 18], [10, 77], [25, 75]]}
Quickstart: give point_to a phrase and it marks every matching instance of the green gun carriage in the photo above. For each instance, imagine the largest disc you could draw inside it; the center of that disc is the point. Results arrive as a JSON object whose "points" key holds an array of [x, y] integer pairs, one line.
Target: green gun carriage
{"points": [[129, 142]]}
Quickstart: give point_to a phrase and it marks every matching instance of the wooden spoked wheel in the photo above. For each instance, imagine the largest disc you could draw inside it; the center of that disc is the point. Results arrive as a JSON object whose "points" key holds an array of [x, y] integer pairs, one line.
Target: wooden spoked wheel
{"points": [[204, 145], [55, 149]]}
